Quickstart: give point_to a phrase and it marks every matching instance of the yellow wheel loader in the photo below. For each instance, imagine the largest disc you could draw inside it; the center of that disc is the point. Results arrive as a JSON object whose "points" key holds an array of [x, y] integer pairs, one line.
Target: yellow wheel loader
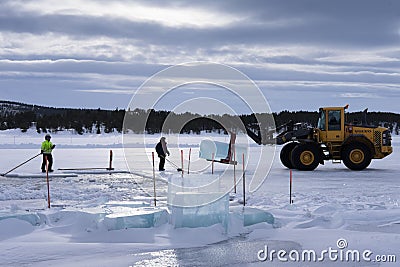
{"points": [[356, 144]]}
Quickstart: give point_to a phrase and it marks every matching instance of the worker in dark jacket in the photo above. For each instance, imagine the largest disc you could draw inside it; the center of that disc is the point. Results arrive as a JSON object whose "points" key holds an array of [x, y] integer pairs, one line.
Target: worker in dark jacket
{"points": [[46, 149], [162, 152]]}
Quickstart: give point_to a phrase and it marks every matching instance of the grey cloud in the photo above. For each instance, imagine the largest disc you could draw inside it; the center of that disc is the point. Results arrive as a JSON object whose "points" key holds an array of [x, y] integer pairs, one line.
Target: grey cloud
{"points": [[289, 96], [340, 23], [301, 72], [81, 66]]}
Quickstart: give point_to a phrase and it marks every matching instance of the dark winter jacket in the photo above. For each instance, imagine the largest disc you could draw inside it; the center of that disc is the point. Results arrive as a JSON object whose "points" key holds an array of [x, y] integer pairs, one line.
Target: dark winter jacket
{"points": [[160, 150]]}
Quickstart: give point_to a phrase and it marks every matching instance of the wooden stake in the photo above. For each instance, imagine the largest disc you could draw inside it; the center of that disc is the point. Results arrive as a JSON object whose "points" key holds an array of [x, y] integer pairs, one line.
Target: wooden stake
{"points": [[190, 152], [212, 163], [111, 158], [182, 162], [154, 180], [234, 170], [48, 183]]}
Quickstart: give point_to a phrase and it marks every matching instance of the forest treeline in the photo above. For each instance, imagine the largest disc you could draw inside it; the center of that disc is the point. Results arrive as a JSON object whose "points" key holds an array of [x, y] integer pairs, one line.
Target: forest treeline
{"points": [[47, 119]]}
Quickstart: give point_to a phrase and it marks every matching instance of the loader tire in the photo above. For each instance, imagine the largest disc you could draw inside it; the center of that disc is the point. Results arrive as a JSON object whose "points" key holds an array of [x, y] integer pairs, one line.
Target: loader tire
{"points": [[306, 157], [356, 156], [286, 153]]}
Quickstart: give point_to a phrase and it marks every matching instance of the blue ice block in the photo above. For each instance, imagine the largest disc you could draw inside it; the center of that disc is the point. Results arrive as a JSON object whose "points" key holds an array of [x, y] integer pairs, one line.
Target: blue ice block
{"points": [[191, 215], [136, 218], [219, 150], [252, 215], [213, 150], [32, 218]]}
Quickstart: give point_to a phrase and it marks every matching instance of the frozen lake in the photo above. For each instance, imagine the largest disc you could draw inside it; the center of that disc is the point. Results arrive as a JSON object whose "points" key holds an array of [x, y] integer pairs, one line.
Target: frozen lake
{"points": [[330, 203]]}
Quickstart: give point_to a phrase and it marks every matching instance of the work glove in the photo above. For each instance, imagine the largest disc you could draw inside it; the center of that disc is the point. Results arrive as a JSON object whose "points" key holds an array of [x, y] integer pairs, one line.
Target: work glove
{"points": [[168, 153], [41, 151], [53, 146]]}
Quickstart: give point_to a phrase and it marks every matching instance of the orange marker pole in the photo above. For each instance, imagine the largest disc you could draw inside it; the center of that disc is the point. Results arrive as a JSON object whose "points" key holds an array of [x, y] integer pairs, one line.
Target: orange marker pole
{"points": [[190, 152], [244, 182], [48, 183], [154, 180], [290, 187]]}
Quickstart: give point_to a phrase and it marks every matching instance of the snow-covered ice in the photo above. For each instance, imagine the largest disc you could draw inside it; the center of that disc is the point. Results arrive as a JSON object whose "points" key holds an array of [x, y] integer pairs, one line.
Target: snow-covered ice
{"points": [[331, 203]]}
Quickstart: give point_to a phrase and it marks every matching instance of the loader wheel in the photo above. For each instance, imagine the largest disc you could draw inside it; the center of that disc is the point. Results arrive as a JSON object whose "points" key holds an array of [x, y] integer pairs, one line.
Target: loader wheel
{"points": [[356, 156], [306, 157], [286, 153]]}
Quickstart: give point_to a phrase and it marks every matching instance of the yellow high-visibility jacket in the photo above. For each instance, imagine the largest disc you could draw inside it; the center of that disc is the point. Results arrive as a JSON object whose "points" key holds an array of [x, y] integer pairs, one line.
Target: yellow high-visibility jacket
{"points": [[47, 147]]}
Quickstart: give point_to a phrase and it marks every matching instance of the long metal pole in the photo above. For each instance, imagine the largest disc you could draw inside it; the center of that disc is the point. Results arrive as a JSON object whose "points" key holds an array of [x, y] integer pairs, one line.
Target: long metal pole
{"points": [[4, 174], [82, 169]]}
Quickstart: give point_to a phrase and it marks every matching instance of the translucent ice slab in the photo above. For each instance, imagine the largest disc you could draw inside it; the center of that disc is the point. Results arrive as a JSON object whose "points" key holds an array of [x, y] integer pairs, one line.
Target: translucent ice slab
{"points": [[190, 215], [252, 216], [210, 150], [124, 218]]}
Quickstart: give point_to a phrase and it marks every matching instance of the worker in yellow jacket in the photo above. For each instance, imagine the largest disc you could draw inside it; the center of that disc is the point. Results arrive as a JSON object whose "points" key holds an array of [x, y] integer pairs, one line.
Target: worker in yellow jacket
{"points": [[46, 149]]}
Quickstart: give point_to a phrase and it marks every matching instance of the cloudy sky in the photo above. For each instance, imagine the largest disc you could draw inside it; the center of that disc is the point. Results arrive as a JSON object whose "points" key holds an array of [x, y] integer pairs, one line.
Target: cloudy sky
{"points": [[303, 54]]}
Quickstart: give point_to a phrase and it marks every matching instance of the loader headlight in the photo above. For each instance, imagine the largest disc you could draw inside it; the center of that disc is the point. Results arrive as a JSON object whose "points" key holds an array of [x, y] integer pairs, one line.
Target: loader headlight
{"points": [[386, 138]]}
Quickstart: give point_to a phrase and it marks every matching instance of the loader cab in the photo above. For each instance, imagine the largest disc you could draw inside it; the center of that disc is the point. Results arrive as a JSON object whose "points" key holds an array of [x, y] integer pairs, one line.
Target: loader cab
{"points": [[331, 124]]}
